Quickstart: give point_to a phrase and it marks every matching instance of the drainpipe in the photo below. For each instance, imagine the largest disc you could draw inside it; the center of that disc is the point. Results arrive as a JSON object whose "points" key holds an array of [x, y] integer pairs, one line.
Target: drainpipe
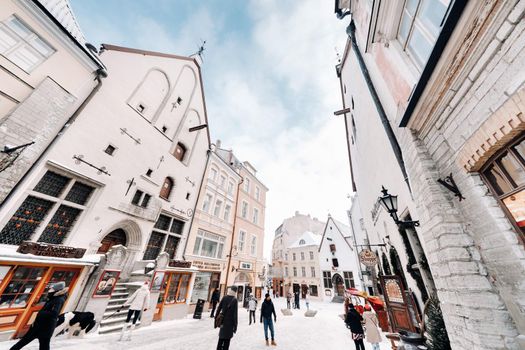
{"points": [[350, 30], [100, 73], [233, 236]]}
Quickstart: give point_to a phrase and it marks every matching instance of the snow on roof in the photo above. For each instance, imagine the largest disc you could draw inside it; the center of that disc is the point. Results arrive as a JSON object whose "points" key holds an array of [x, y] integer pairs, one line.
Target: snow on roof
{"points": [[9, 253], [62, 11], [307, 239]]}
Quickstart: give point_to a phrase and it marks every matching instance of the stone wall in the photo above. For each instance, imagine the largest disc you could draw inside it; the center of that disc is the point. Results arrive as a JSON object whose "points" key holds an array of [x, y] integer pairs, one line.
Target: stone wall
{"points": [[38, 118]]}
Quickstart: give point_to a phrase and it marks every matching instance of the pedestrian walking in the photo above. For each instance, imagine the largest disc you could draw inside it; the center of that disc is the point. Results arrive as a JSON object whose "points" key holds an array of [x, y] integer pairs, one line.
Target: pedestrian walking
{"points": [[46, 319], [373, 336], [353, 321], [267, 310], [226, 318], [288, 300], [138, 302], [252, 306], [307, 301], [296, 299], [215, 297]]}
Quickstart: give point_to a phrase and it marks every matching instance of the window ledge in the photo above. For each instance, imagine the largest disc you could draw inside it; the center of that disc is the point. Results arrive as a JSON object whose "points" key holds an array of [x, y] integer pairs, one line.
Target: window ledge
{"points": [[144, 177]]}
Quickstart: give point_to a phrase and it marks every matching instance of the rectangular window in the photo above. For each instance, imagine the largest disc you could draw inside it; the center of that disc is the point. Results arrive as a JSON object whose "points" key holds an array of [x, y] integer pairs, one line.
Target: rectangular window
{"points": [[286, 256], [213, 175], [177, 289], [209, 244], [171, 246], [154, 246], [312, 271], [349, 279], [335, 262], [286, 271], [255, 218], [244, 210], [207, 203], [253, 247], [230, 187], [218, 207], [247, 185], [327, 279], [22, 46], [419, 28], [295, 271], [165, 237], [242, 238], [141, 199], [302, 255], [293, 257], [257, 192], [313, 290], [227, 210], [223, 181], [110, 150], [55, 216], [311, 255], [303, 271]]}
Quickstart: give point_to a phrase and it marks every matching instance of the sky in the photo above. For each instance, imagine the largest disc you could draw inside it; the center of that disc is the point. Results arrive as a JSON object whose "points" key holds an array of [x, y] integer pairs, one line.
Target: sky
{"points": [[270, 85]]}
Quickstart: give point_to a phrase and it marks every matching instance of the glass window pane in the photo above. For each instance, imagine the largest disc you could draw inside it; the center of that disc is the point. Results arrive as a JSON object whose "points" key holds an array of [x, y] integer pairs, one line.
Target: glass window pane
{"points": [[42, 47], [497, 180], [183, 290], [25, 57], [172, 290], [411, 6], [513, 168], [60, 225], [431, 15], [79, 193], [154, 246], [18, 27], [404, 27], [25, 221], [209, 248], [177, 226], [171, 246], [197, 247], [52, 184], [516, 205], [7, 40], [419, 45], [163, 223], [520, 148]]}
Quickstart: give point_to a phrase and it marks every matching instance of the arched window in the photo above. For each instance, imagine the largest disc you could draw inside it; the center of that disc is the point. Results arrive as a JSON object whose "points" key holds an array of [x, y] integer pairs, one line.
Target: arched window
{"points": [[302, 242], [167, 186], [505, 175], [180, 151]]}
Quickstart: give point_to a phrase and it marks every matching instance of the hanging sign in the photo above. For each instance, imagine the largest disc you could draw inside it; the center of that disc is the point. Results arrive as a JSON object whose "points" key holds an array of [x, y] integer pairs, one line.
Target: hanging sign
{"points": [[52, 250], [368, 257]]}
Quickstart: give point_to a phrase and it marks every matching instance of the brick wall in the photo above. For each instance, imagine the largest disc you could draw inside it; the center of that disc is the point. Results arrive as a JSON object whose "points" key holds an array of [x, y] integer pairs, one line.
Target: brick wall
{"points": [[38, 118]]}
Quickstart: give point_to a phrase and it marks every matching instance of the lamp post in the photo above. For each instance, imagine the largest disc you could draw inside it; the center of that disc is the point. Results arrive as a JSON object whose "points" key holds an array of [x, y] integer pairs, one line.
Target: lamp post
{"points": [[389, 203]]}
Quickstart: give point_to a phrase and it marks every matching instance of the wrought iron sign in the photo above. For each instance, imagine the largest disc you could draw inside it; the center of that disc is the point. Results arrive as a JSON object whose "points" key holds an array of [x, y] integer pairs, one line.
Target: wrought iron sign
{"points": [[53, 250], [12, 153], [180, 263], [130, 184], [449, 183], [80, 159], [124, 131]]}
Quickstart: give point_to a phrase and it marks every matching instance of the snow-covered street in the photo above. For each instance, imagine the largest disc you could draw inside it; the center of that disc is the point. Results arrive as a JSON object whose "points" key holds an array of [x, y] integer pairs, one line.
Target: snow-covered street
{"points": [[324, 331]]}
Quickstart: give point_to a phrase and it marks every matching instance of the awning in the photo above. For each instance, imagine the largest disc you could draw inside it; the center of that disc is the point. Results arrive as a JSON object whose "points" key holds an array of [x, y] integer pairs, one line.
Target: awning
{"points": [[9, 254]]}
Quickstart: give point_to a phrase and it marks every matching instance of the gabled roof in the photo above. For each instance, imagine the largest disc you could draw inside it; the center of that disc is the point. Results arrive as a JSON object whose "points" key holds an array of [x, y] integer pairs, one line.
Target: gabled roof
{"points": [[309, 238], [344, 230]]}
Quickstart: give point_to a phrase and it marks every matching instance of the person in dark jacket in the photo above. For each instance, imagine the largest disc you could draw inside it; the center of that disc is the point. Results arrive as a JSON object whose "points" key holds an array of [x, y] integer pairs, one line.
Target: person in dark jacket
{"points": [[267, 310], [296, 299], [215, 297], [228, 306], [353, 321], [46, 319]]}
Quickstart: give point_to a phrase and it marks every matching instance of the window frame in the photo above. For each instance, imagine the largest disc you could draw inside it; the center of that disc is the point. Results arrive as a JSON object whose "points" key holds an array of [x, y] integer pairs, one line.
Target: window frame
{"points": [[240, 243], [166, 233], [205, 235]]}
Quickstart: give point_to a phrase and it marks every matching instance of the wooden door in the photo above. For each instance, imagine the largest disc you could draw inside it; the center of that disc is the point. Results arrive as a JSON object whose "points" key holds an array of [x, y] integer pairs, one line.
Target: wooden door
{"points": [[115, 237], [53, 275], [157, 316], [304, 290], [339, 285], [396, 304]]}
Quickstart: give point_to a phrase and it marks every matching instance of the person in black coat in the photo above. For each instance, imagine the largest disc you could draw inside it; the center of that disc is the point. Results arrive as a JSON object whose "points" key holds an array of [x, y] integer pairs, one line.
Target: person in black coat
{"points": [[228, 306], [46, 319], [215, 297], [267, 310], [296, 299], [353, 321]]}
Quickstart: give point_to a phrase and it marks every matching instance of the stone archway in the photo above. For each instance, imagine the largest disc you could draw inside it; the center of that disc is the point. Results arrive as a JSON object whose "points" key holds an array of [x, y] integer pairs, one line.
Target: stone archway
{"points": [[339, 285], [133, 235], [115, 237]]}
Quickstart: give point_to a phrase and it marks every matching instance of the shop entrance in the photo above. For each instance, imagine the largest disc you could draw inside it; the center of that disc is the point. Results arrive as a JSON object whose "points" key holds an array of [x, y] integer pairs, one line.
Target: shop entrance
{"points": [[115, 237], [339, 285], [304, 290], [24, 293]]}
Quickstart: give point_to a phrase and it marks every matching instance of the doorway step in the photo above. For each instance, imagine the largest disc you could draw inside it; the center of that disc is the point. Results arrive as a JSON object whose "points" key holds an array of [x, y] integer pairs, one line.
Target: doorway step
{"points": [[338, 299]]}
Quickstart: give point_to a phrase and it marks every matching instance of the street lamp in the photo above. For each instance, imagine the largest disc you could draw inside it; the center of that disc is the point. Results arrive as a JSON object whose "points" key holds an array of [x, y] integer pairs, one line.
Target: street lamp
{"points": [[389, 203]]}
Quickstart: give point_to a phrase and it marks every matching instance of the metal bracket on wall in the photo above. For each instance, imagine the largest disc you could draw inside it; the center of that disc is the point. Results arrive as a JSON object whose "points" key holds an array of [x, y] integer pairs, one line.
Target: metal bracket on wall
{"points": [[80, 159], [449, 183], [191, 182], [124, 131]]}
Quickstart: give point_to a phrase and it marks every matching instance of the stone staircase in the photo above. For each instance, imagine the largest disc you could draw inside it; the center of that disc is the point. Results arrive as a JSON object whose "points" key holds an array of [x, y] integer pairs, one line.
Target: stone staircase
{"points": [[113, 321], [338, 299]]}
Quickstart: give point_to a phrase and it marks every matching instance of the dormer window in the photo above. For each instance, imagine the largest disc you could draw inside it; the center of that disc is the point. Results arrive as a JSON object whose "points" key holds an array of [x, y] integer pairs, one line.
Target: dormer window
{"points": [[180, 151], [302, 242]]}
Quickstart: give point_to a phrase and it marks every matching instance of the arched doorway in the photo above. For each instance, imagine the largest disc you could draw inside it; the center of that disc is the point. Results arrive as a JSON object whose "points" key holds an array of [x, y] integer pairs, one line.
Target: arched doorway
{"points": [[339, 285], [115, 237]]}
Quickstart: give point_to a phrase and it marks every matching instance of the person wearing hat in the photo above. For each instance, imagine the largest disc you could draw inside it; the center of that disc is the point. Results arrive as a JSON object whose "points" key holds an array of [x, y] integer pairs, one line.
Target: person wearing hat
{"points": [[46, 319], [229, 308], [267, 310], [373, 336]]}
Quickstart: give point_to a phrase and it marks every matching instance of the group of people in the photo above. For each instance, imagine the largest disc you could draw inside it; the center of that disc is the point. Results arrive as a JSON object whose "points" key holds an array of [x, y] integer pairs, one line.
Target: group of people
{"points": [[296, 300], [227, 313], [355, 321]]}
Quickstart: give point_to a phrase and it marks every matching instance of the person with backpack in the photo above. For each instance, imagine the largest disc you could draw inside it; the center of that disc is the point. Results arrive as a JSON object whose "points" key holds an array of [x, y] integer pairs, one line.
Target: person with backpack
{"points": [[252, 306], [226, 318], [353, 321], [215, 298], [267, 310], [46, 319]]}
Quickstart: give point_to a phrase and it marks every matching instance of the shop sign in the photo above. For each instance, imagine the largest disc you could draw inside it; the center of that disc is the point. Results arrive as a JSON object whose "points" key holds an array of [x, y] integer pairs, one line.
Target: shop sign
{"points": [[245, 266], [106, 284], [205, 265], [368, 257], [53, 250], [180, 263]]}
